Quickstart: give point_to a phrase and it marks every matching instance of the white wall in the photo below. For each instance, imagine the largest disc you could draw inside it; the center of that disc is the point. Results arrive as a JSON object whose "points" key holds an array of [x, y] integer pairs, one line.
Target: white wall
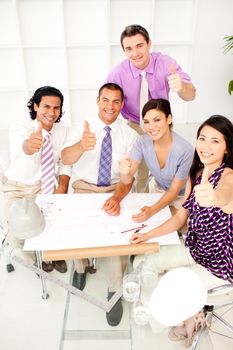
{"points": [[72, 44], [211, 69]]}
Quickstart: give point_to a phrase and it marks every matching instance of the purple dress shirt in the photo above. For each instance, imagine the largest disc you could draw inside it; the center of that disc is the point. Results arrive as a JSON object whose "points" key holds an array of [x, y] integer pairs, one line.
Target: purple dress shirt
{"points": [[128, 77]]}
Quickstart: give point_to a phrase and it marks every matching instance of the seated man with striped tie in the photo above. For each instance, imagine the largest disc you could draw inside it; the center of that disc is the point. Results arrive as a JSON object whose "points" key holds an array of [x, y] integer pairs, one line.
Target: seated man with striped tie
{"points": [[96, 153], [35, 147]]}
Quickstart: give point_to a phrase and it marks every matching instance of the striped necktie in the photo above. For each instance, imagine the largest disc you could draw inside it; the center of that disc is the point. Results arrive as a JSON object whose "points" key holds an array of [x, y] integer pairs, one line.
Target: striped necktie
{"points": [[143, 94], [105, 164], [47, 166]]}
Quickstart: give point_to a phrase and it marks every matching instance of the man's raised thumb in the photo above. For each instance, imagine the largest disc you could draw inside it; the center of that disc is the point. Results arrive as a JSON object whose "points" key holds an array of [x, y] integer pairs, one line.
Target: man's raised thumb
{"points": [[173, 69], [86, 127], [126, 157], [39, 128]]}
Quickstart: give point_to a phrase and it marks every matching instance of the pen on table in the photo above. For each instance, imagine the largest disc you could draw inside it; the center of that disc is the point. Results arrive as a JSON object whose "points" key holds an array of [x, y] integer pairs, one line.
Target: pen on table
{"points": [[134, 228], [138, 230]]}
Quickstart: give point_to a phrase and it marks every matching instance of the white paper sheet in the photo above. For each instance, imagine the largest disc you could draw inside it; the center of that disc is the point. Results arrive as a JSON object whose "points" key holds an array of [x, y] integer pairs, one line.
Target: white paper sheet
{"points": [[78, 221]]}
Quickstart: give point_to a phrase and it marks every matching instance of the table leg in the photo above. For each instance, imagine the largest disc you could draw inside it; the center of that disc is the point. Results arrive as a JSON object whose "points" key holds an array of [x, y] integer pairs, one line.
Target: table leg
{"points": [[45, 294]]}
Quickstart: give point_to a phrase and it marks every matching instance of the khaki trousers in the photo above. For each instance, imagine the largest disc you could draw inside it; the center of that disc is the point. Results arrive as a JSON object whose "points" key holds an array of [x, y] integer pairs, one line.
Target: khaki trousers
{"points": [[143, 172], [80, 186], [12, 191], [115, 264]]}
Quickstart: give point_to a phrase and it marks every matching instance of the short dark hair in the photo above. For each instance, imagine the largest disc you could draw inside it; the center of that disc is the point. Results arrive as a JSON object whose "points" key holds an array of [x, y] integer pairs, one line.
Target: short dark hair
{"points": [[225, 127], [160, 104], [38, 94], [132, 30], [111, 86]]}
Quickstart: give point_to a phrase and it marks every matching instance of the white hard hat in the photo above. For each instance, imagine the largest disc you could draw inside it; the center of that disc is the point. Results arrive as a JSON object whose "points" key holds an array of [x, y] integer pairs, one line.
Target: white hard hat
{"points": [[179, 295], [26, 219]]}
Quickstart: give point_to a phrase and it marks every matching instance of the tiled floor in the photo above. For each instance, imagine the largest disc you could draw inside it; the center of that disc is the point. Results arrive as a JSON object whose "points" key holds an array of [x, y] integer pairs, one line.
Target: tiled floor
{"points": [[28, 322]]}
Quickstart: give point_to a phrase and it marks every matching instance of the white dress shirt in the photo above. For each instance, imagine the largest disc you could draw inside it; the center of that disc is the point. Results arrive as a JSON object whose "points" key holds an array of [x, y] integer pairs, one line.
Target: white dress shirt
{"points": [[86, 168], [27, 168]]}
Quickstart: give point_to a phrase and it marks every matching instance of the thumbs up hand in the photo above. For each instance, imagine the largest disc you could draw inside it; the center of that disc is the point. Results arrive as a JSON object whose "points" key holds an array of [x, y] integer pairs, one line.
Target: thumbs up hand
{"points": [[39, 129], [88, 140], [86, 127], [34, 142], [125, 165], [204, 193], [174, 80]]}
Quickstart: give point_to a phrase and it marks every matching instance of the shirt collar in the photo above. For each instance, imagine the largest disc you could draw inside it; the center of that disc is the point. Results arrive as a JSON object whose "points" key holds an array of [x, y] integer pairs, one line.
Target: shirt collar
{"points": [[44, 132], [149, 68], [113, 126]]}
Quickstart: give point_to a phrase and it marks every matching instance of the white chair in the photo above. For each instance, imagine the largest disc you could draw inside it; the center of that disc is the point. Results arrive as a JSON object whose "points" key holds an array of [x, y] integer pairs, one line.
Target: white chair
{"points": [[4, 162], [218, 298], [181, 293]]}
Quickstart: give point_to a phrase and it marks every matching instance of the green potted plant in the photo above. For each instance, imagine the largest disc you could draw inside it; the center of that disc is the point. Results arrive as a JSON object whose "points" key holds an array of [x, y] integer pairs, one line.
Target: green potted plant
{"points": [[228, 47]]}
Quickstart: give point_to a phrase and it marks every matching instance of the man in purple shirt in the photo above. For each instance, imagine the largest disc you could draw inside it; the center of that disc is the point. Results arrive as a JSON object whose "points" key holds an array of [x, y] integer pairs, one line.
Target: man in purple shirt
{"points": [[163, 75]]}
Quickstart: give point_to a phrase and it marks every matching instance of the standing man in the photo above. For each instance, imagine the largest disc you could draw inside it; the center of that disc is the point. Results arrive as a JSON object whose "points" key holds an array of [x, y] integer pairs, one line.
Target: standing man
{"points": [[35, 146], [143, 76], [96, 158]]}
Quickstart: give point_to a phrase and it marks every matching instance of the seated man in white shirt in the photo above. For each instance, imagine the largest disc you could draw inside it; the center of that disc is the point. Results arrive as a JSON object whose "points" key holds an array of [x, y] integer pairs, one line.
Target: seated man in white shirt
{"points": [[96, 153], [23, 178]]}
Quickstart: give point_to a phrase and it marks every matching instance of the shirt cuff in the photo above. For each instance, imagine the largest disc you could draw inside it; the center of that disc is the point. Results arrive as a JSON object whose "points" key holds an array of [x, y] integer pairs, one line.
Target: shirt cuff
{"points": [[65, 170]]}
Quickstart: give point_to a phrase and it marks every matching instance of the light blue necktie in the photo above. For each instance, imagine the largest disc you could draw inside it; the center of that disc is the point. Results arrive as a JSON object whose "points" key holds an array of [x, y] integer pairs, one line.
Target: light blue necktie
{"points": [[105, 164]]}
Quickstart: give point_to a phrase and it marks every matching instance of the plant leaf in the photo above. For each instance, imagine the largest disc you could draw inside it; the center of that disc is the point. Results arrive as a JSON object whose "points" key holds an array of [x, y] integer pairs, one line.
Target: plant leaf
{"points": [[229, 44], [230, 87]]}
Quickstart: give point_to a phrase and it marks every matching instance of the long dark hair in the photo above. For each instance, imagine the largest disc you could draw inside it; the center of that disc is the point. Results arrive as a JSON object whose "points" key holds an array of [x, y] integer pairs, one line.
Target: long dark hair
{"points": [[225, 127], [36, 98]]}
